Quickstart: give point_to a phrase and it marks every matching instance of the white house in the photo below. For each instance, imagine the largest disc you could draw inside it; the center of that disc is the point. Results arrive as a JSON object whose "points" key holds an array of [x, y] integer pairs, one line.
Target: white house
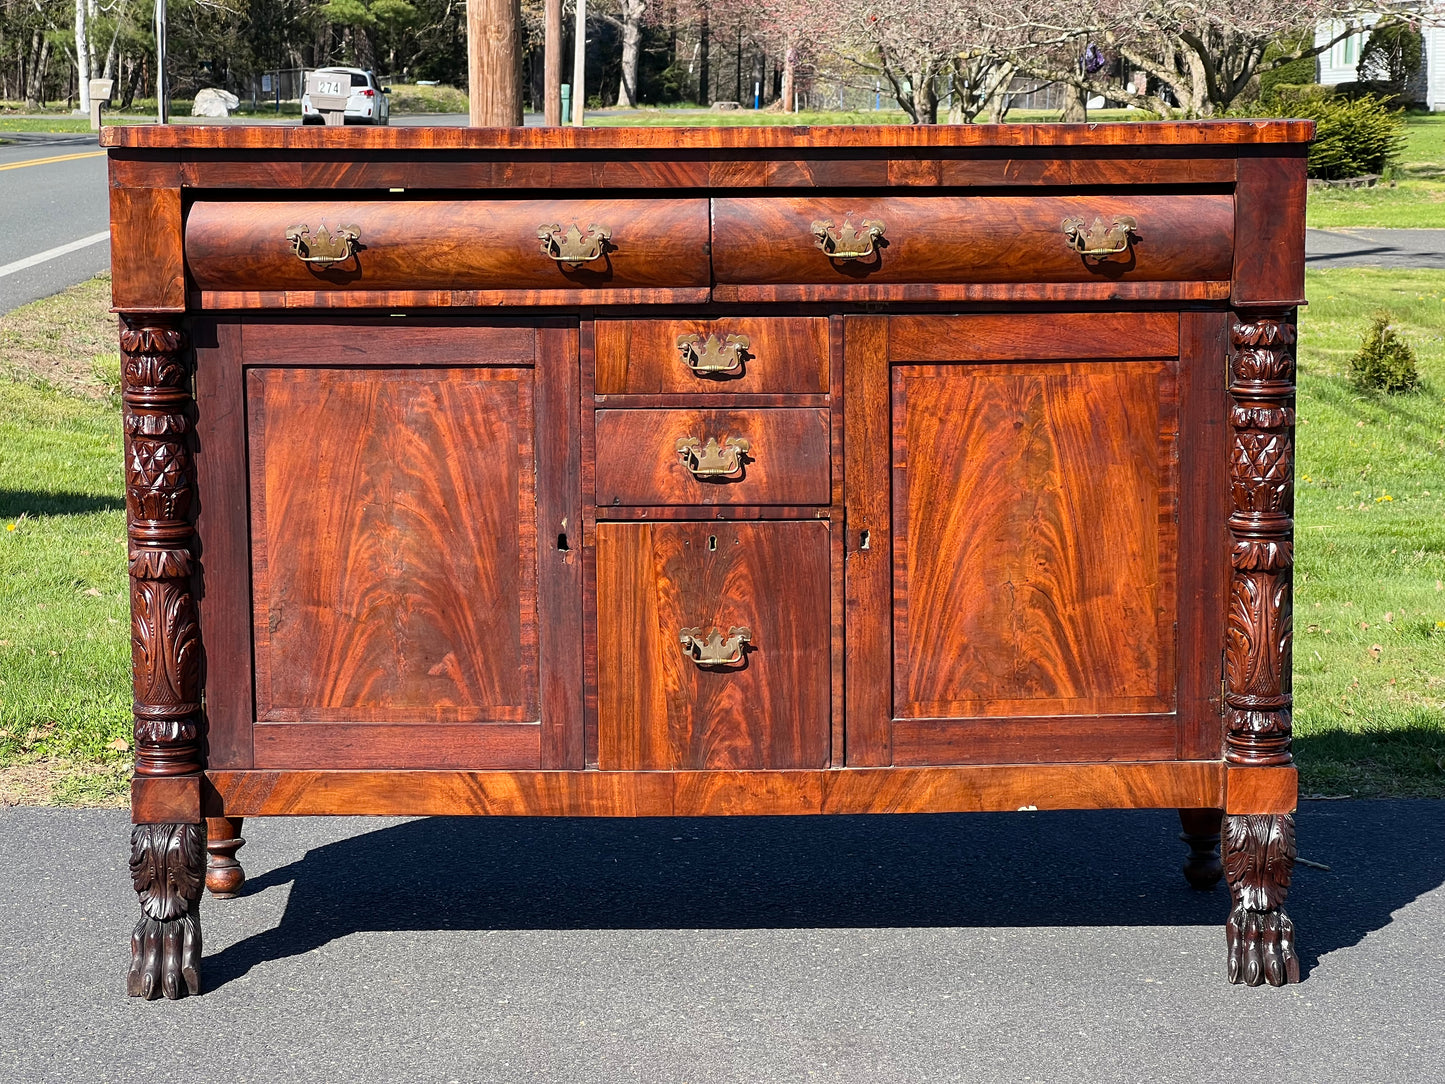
{"points": [[1339, 63]]}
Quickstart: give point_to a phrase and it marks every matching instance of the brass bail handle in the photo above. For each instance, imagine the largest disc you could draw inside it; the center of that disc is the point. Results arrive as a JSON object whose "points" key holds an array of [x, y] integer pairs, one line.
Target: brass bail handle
{"points": [[573, 246], [715, 649], [848, 242], [323, 247], [713, 356], [1102, 239], [713, 458]]}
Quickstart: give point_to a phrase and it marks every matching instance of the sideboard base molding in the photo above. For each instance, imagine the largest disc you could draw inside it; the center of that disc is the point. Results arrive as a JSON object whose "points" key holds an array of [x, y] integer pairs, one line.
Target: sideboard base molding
{"points": [[963, 789]]}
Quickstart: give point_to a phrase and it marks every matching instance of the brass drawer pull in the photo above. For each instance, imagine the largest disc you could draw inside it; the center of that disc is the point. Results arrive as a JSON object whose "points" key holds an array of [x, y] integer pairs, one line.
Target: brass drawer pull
{"points": [[323, 247], [713, 357], [713, 459], [715, 649], [572, 247], [847, 242], [1101, 240]]}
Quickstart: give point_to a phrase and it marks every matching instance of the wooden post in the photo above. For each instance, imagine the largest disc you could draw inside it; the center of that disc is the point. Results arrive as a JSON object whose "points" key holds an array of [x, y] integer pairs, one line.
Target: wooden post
{"points": [[494, 62], [552, 65], [579, 65]]}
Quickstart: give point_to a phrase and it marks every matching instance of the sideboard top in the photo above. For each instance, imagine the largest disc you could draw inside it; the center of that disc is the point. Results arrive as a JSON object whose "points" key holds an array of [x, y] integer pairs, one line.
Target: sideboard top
{"points": [[297, 137]]}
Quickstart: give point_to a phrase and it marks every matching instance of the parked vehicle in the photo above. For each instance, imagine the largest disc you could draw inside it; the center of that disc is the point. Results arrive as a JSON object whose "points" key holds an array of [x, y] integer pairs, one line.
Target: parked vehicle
{"points": [[366, 101]]}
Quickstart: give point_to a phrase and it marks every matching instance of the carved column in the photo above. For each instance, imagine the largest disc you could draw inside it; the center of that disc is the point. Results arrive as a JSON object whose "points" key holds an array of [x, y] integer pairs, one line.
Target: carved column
{"points": [[1259, 849], [1261, 471], [167, 860]]}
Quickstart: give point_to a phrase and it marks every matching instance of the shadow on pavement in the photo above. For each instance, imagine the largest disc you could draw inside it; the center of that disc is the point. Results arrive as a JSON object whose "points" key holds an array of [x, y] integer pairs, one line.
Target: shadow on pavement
{"points": [[1102, 868]]}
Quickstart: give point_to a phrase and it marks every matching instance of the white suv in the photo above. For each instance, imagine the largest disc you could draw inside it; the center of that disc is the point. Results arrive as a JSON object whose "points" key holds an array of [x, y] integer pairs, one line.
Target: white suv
{"points": [[366, 101]]}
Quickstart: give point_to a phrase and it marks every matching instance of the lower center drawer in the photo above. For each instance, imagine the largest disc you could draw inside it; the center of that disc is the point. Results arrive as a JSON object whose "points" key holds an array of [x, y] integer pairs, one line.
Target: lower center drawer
{"points": [[737, 457], [713, 645]]}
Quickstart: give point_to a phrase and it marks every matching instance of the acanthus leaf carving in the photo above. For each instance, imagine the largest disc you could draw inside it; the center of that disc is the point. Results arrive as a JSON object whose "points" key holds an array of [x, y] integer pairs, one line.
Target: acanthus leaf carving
{"points": [[1259, 622]]}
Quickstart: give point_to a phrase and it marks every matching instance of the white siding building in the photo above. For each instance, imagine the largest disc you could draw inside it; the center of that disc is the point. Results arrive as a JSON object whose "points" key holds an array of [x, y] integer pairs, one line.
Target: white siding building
{"points": [[1339, 63]]}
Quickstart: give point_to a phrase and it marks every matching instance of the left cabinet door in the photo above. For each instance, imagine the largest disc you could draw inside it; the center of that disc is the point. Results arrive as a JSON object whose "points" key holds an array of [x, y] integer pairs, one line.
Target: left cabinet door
{"points": [[411, 597]]}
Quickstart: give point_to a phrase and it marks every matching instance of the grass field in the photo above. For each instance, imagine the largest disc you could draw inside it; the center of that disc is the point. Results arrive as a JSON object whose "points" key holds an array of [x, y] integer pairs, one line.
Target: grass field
{"points": [[1370, 601], [1415, 199]]}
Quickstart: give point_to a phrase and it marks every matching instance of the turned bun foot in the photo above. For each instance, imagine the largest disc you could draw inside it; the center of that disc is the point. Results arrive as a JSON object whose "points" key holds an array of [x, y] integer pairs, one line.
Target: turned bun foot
{"points": [[1202, 869], [224, 875]]}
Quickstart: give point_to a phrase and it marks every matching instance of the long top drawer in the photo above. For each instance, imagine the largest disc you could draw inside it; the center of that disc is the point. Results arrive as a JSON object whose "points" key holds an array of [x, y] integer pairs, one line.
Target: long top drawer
{"points": [[555, 245]]}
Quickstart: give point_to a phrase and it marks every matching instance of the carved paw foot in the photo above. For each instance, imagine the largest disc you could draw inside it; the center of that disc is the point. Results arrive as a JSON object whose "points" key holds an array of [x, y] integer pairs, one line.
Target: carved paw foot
{"points": [[1259, 854], [165, 958], [1261, 948], [167, 865]]}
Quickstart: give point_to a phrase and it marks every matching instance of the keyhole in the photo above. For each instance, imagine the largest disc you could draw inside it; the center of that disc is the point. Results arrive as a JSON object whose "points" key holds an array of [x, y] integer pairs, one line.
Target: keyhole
{"points": [[711, 542], [863, 540]]}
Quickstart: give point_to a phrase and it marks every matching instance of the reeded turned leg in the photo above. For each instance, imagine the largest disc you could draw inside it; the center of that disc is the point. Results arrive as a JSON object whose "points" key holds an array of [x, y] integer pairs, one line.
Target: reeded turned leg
{"points": [[1259, 853], [167, 864], [1202, 869], [224, 875]]}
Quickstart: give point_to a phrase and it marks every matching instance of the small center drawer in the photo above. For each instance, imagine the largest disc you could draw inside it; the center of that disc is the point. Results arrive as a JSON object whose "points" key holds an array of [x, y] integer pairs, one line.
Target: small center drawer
{"points": [[737, 354], [745, 457]]}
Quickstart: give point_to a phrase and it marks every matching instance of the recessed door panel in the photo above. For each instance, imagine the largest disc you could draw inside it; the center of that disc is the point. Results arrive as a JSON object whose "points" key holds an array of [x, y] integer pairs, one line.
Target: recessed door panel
{"points": [[1034, 539]]}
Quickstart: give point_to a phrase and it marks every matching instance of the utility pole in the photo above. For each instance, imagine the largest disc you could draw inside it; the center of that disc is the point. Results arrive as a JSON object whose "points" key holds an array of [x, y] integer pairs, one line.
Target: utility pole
{"points": [[552, 65], [163, 90], [494, 62], [579, 65]]}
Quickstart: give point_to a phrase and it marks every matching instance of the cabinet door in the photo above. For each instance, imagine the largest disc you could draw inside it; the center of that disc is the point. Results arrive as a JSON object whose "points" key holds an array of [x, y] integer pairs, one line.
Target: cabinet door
{"points": [[412, 601], [1038, 566]]}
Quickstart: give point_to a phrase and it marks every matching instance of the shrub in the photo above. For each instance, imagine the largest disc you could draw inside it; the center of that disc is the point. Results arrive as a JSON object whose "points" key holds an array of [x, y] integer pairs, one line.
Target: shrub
{"points": [[1353, 136], [1385, 362], [1300, 71]]}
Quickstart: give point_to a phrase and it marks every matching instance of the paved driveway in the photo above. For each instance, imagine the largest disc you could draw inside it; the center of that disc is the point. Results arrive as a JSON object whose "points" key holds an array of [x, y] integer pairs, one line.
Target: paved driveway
{"points": [[1375, 248], [959, 949]]}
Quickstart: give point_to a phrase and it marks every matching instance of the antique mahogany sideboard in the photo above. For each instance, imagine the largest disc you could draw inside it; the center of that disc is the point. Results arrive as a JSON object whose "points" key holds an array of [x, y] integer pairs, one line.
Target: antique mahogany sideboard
{"points": [[702, 472]]}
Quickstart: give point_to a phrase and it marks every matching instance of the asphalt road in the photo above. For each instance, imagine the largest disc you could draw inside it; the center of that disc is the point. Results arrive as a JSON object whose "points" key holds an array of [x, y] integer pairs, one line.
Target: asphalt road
{"points": [[1027, 947], [1375, 248], [52, 194]]}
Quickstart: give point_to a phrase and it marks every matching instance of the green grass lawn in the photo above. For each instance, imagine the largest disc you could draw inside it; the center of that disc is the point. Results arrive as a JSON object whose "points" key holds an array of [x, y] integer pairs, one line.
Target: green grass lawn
{"points": [[1369, 653]]}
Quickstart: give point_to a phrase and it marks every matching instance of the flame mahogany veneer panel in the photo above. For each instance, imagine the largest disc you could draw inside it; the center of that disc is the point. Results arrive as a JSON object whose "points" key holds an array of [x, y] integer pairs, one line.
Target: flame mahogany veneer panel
{"points": [[448, 245], [1035, 539], [393, 545], [656, 708]]}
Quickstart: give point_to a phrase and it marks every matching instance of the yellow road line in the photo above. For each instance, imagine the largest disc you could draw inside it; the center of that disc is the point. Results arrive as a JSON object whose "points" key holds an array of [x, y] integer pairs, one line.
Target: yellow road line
{"points": [[56, 158]]}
